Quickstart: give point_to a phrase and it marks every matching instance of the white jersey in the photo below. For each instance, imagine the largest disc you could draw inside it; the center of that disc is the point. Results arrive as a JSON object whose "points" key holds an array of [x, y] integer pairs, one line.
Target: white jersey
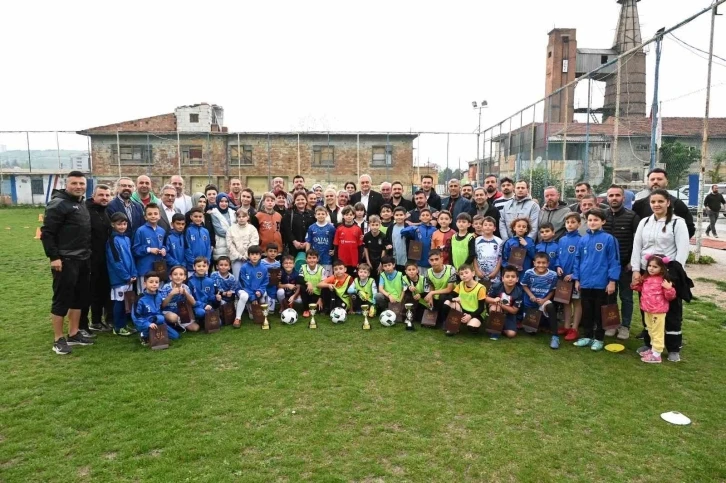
{"points": [[488, 254]]}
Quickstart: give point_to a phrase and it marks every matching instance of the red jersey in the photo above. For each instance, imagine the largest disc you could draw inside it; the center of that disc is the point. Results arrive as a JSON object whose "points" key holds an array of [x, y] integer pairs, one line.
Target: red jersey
{"points": [[348, 239], [442, 241]]}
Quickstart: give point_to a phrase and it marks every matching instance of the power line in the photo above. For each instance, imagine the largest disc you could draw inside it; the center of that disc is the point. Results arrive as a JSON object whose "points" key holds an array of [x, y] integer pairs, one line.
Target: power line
{"points": [[693, 47], [696, 53]]}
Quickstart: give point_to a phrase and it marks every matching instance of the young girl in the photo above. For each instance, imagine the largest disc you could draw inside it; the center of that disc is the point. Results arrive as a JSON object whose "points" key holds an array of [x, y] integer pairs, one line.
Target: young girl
{"points": [[656, 292], [520, 228], [360, 217], [172, 293], [240, 237]]}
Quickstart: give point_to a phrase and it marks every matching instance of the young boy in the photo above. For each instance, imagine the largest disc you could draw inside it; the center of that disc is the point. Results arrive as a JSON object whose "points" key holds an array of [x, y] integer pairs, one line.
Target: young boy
{"points": [[203, 289], [148, 244], [254, 279], [566, 250], [311, 274], [386, 217], [596, 271], [226, 284], [390, 284], [488, 250], [147, 312], [395, 243], [174, 292], [415, 289], [470, 299], [196, 239], [270, 263], [288, 291], [439, 283], [374, 244], [364, 290], [462, 245], [506, 296], [175, 241], [547, 243], [360, 217], [269, 222], [539, 284], [320, 237], [477, 224], [423, 233], [338, 284], [348, 237], [121, 270], [441, 238]]}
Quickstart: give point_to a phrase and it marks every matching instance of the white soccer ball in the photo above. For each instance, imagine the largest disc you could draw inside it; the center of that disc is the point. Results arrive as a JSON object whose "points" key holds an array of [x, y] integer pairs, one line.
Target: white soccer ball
{"points": [[289, 316], [337, 315], [388, 318]]}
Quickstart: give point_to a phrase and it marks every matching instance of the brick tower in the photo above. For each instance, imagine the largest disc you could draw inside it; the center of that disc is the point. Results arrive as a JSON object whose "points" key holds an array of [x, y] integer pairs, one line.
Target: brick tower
{"points": [[632, 78], [561, 60]]}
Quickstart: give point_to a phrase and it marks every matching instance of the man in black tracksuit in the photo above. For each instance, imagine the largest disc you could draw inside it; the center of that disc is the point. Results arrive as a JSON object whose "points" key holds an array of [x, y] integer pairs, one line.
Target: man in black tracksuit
{"points": [[714, 201], [66, 237], [622, 223], [658, 178], [100, 294]]}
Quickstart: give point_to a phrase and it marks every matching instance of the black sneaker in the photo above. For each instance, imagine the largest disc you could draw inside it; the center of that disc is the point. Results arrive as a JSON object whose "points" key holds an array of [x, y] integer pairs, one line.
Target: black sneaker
{"points": [[98, 328], [60, 347], [144, 341], [640, 336], [87, 334], [79, 339]]}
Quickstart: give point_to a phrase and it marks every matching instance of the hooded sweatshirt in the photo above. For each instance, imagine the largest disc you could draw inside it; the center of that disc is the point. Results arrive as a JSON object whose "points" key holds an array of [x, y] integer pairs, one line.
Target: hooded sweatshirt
{"points": [[513, 209]]}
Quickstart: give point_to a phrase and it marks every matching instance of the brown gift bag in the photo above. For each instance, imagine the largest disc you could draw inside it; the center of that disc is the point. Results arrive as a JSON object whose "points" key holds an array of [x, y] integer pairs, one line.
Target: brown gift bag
{"points": [[398, 309], [429, 318], [274, 274], [532, 317], [211, 321], [610, 315], [487, 283], [184, 312], [516, 257], [563, 292], [161, 269], [415, 250], [129, 300], [257, 316], [227, 313], [495, 322], [453, 321], [159, 337]]}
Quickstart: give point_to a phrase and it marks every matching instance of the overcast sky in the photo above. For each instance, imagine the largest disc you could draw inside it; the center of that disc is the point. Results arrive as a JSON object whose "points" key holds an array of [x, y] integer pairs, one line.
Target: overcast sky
{"points": [[371, 66]]}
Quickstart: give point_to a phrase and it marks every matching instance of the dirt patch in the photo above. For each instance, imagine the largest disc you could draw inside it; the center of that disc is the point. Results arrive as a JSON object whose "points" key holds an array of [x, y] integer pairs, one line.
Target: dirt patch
{"points": [[707, 290]]}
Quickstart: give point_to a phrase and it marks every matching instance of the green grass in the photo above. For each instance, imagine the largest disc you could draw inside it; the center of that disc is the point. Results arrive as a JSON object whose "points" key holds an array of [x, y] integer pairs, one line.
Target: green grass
{"points": [[719, 283], [340, 404]]}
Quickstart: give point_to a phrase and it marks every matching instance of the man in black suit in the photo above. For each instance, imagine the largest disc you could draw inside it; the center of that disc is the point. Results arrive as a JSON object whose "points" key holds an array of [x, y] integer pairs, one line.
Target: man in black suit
{"points": [[372, 200], [167, 209], [658, 179]]}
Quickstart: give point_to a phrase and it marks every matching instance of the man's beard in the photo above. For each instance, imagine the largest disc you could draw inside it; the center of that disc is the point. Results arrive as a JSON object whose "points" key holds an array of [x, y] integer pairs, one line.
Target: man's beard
{"points": [[491, 189], [125, 195]]}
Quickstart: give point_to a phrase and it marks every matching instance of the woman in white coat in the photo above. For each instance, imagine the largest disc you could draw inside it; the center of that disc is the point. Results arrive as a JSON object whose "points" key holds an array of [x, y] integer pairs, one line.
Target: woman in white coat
{"points": [[240, 237], [222, 218]]}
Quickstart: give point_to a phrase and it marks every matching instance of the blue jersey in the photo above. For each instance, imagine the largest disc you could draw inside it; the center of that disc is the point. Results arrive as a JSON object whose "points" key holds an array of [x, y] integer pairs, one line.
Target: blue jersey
{"points": [[119, 261], [551, 248], [145, 238], [175, 249], [174, 303], [512, 299], [203, 290], [539, 285], [597, 260], [514, 242], [197, 244], [226, 284], [321, 239]]}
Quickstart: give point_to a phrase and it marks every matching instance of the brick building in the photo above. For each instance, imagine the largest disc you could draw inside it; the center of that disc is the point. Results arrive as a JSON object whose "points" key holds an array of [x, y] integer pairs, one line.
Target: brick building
{"points": [[193, 143]]}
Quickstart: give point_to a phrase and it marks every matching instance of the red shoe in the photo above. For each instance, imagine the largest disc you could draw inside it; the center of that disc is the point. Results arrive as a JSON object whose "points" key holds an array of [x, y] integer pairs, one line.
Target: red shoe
{"points": [[306, 313], [562, 331], [571, 334]]}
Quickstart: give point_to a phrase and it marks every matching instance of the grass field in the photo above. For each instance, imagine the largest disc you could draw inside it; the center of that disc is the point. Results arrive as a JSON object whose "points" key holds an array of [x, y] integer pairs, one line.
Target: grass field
{"points": [[340, 404]]}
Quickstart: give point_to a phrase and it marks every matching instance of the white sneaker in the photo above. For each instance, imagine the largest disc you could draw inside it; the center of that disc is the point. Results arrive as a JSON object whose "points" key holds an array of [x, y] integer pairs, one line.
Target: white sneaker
{"points": [[623, 333], [610, 332]]}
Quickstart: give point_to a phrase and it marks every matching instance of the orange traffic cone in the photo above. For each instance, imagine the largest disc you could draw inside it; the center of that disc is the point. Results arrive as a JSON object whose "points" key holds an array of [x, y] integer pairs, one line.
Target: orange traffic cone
{"points": [[40, 217], [37, 234]]}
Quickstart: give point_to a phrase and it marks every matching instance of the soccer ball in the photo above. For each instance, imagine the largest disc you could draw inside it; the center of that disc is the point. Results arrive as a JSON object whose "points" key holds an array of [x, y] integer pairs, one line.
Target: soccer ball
{"points": [[337, 315], [289, 316], [388, 318]]}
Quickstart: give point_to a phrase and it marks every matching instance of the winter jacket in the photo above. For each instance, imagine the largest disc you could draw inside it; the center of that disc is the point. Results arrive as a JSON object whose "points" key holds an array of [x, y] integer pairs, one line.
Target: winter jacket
{"points": [[254, 278], [556, 217], [433, 200], [623, 225], [295, 226], [100, 232], [66, 230], [552, 249], [654, 299], [175, 249], [240, 239], [651, 239], [148, 311], [136, 221], [422, 233], [714, 201], [455, 206], [269, 229], [203, 290], [524, 208], [221, 224], [597, 260], [119, 260], [196, 244], [145, 238], [567, 249], [642, 208]]}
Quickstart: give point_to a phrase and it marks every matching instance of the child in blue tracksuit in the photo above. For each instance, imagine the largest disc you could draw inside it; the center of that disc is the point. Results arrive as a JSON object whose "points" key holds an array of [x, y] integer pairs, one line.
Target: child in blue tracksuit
{"points": [[203, 289], [148, 246], [173, 293], [254, 279], [147, 312], [288, 290], [320, 237], [547, 243], [596, 271], [175, 242], [196, 239], [423, 233], [270, 262], [227, 285], [567, 248], [520, 228], [121, 270]]}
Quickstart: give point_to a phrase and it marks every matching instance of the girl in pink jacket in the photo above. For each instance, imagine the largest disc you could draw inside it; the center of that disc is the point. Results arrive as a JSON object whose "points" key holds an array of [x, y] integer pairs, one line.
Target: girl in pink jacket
{"points": [[656, 291]]}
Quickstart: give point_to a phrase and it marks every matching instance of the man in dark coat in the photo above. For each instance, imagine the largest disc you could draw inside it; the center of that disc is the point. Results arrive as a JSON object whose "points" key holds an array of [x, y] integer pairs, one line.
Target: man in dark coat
{"points": [[372, 200], [658, 178]]}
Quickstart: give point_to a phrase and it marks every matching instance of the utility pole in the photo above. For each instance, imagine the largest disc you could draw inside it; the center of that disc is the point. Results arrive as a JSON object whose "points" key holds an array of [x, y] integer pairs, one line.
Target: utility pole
{"points": [[654, 107]]}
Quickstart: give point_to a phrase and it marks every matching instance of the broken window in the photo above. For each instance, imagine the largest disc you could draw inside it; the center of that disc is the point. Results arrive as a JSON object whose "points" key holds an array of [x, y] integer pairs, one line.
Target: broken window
{"points": [[132, 154], [240, 159], [192, 155]]}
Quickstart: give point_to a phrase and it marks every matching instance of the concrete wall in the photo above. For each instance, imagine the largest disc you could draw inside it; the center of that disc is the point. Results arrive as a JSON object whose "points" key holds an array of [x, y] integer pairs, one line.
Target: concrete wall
{"points": [[204, 111]]}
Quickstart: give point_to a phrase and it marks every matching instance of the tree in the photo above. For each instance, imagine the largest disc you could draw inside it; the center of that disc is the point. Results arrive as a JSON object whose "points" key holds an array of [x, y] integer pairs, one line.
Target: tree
{"points": [[715, 173], [541, 178], [678, 159], [446, 174]]}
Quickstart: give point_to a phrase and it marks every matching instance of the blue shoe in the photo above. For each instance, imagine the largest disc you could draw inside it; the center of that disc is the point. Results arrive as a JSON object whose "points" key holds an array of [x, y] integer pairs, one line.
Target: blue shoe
{"points": [[597, 345], [555, 342], [493, 336], [584, 342]]}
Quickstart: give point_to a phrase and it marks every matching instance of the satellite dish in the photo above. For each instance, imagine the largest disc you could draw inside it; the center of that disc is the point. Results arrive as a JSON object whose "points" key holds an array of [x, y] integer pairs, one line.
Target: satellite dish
{"points": [[538, 160]]}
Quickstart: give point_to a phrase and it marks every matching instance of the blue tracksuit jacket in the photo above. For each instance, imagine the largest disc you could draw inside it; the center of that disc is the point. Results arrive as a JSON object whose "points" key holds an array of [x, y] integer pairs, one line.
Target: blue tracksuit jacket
{"points": [[422, 233], [119, 260], [196, 244], [175, 249], [514, 242], [272, 289], [203, 290], [148, 311], [226, 284], [567, 248], [253, 278], [147, 237], [551, 248], [597, 260]]}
